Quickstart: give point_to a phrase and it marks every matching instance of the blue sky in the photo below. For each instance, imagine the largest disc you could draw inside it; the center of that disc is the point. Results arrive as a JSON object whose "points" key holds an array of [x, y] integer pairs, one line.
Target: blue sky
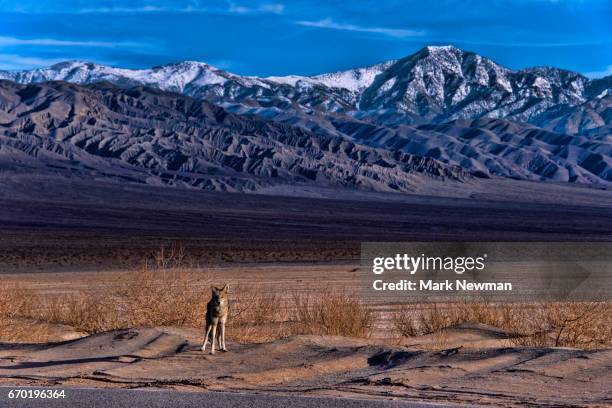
{"points": [[275, 37]]}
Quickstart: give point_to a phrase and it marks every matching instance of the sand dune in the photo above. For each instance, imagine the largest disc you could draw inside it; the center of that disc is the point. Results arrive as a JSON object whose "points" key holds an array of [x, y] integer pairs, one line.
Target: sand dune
{"points": [[473, 367]]}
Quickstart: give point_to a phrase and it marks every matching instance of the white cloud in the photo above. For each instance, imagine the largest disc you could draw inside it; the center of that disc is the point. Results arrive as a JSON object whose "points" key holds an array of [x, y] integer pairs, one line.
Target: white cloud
{"points": [[272, 8], [12, 41], [264, 8], [231, 7], [328, 23], [600, 74], [239, 9], [105, 10]]}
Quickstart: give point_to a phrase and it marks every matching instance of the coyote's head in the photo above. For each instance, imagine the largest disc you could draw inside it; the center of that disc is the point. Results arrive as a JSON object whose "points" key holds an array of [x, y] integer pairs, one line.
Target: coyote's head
{"points": [[219, 295]]}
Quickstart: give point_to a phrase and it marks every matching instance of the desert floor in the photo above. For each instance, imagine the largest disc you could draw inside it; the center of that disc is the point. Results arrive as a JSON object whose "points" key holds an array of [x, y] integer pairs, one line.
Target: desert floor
{"points": [[469, 363], [70, 238], [50, 225]]}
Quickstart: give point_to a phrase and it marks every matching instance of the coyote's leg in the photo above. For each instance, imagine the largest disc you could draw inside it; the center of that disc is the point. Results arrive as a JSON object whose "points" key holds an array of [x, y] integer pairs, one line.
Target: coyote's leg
{"points": [[222, 335], [214, 335], [207, 331]]}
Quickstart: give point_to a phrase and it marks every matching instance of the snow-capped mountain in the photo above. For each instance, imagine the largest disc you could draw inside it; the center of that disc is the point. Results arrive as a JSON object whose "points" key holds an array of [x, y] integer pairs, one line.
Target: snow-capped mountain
{"points": [[355, 80], [436, 84], [441, 113], [445, 83], [179, 77]]}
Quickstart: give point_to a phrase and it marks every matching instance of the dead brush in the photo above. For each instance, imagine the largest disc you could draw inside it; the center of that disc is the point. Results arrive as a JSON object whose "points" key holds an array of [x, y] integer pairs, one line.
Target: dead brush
{"points": [[171, 257], [25, 314], [332, 313], [16, 301], [160, 297], [24, 330], [584, 325], [164, 294], [257, 315], [417, 320], [17, 304], [85, 312], [485, 312]]}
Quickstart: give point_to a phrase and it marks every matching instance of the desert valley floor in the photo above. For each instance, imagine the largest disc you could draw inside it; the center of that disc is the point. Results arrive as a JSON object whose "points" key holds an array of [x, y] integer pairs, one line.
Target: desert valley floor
{"points": [[55, 224], [60, 236]]}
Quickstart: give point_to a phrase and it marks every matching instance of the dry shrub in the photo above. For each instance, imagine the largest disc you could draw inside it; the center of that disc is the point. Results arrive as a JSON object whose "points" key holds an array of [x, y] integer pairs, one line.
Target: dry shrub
{"points": [[20, 309], [168, 293], [172, 257], [22, 330], [161, 297], [332, 313], [493, 314], [164, 294], [586, 325], [86, 312], [405, 321], [417, 320], [257, 315], [15, 300], [546, 324], [260, 315]]}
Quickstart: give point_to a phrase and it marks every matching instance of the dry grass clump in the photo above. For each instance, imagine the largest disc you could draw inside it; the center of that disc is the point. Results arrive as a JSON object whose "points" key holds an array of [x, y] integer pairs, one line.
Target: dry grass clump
{"points": [[332, 313], [546, 324], [161, 297], [257, 315], [586, 325], [145, 297], [16, 302], [161, 293], [13, 330], [260, 315], [417, 320], [169, 292], [153, 296]]}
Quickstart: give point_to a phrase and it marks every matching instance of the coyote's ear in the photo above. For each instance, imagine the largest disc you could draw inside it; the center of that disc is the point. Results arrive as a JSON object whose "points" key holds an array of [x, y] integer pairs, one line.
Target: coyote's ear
{"points": [[213, 288], [225, 288]]}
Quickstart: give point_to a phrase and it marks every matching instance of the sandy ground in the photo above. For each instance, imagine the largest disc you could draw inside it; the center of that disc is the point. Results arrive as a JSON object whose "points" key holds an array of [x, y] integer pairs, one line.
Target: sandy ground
{"points": [[78, 238], [470, 364], [464, 371]]}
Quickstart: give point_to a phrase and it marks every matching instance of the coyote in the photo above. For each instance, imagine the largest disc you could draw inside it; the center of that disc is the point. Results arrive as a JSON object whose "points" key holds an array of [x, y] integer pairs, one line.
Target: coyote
{"points": [[217, 310]]}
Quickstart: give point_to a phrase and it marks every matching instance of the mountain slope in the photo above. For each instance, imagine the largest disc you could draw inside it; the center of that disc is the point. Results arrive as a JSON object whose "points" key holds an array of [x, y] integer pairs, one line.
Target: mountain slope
{"points": [[146, 135], [485, 147], [440, 112], [436, 84], [445, 83]]}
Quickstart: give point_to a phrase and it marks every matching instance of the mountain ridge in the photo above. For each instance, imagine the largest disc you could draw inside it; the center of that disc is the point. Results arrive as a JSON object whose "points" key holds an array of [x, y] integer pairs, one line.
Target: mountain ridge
{"points": [[441, 113], [437, 84], [151, 136]]}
